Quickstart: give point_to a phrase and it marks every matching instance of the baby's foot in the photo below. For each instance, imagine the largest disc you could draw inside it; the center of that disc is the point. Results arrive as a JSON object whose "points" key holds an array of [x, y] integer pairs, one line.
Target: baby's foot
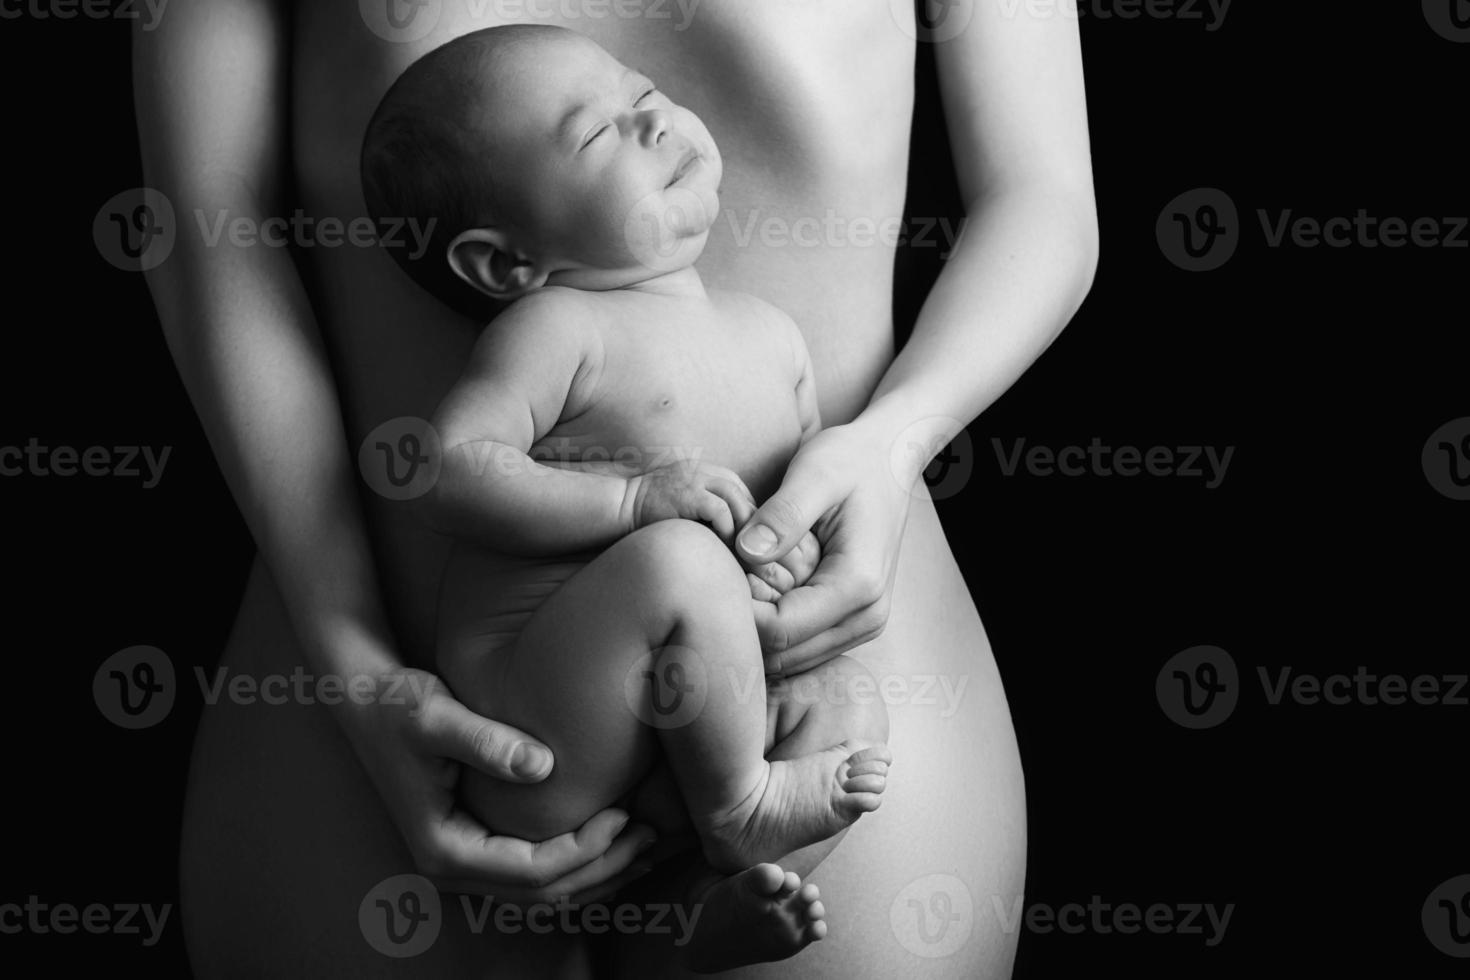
{"points": [[799, 802], [761, 915]]}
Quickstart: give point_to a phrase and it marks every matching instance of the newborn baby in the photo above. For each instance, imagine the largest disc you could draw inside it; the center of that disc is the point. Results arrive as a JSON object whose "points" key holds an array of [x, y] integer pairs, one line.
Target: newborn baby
{"points": [[600, 451]]}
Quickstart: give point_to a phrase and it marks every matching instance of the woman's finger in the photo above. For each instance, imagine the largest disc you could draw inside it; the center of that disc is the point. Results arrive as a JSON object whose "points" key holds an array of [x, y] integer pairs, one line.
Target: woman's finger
{"points": [[453, 731], [806, 494], [846, 635], [777, 575], [465, 852], [837, 590], [760, 590], [802, 561]]}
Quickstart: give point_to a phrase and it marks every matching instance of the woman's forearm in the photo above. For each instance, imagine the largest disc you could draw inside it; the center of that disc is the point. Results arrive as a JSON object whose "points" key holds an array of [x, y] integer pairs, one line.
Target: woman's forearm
{"points": [[1017, 275], [246, 345], [240, 326]]}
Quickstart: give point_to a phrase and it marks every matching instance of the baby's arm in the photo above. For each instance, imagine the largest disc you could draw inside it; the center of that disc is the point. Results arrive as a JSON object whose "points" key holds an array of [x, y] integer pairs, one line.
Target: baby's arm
{"points": [[528, 370]]}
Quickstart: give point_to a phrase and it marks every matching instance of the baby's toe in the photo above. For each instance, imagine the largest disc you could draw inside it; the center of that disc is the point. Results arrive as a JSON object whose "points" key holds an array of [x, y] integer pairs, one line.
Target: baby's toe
{"points": [[766, 880]]}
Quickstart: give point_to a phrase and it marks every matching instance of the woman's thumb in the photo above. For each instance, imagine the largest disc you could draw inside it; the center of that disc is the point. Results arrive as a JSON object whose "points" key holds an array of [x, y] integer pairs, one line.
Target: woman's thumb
{"points": [[776, 527], [492, 748]]}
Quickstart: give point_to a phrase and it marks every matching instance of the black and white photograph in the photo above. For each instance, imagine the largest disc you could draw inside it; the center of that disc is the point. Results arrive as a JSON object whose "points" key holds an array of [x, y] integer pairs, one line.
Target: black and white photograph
{"points": [[854, 489]]}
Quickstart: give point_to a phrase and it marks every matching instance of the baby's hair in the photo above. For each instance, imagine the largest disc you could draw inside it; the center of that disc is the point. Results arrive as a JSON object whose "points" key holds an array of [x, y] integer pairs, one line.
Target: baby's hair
{"points": [[424, 162]]}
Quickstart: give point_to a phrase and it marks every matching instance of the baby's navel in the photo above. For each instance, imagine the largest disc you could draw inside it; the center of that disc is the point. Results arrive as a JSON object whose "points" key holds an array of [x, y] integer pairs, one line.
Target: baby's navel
{"points": [[663, 403]]}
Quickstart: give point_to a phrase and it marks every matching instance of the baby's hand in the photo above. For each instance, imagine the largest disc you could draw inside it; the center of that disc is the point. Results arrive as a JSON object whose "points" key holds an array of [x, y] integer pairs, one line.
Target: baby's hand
{"points": [[772, 580], [695, 491]]}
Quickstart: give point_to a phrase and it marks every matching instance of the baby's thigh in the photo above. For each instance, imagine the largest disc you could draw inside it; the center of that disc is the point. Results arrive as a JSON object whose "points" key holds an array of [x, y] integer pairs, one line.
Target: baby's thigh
{"points": [[526, 646], [559, 650]]}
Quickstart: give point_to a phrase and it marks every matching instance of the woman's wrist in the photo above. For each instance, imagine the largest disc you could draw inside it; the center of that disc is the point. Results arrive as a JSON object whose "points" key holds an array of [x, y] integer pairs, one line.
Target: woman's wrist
{"points": [[354, 652], [906, 430]]}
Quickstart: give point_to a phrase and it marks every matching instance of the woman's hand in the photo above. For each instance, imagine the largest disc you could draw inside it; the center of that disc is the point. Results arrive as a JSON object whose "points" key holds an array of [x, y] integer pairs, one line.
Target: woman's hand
{"points": [[412, 739], [844, 486]]}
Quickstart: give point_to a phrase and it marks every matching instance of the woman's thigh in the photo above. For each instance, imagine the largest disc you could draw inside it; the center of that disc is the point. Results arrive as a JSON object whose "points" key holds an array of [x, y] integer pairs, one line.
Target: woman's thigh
{"points": [[924, 886], [284, 837]]}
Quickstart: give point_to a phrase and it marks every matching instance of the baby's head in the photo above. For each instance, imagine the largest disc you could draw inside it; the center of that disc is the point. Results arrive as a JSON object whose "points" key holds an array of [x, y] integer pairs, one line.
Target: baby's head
{"points": [[535, 156]]}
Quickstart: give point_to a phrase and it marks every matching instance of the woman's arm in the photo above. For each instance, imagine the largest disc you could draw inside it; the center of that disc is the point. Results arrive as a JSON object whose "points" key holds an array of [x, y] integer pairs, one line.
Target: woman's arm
{"points": [[1014, 101], [212, 110], [1017, 116]]}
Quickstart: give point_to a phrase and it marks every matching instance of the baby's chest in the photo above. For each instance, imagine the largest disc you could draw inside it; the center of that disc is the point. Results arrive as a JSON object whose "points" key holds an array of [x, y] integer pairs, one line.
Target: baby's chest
{"points": [[725, 401]]}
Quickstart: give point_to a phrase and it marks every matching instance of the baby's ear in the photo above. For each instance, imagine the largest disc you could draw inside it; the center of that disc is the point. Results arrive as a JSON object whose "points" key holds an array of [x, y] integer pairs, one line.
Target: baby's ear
{"points": [[486, 259]]}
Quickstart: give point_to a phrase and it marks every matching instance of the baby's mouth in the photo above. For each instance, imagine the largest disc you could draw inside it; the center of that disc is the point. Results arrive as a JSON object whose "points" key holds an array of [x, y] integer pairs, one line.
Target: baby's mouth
{"points": [[687, 163]]}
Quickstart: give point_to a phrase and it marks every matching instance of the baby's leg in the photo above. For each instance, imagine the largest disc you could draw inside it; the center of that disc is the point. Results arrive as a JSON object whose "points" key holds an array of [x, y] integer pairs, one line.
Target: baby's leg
{"points": [[655, 635], [748, 918]]}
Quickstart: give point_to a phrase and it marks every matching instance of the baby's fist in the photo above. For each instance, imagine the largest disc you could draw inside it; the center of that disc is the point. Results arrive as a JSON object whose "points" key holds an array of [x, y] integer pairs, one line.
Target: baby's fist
{"points": [[695, 491]]}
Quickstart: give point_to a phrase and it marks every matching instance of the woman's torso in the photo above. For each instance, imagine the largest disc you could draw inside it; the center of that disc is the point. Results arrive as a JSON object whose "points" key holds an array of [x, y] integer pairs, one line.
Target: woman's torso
{"points": [[811, 102]]}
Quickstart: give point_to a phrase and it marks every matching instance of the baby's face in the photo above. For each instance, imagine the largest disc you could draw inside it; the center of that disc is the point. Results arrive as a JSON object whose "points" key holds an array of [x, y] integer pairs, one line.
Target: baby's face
{"points": [[604, 170]]}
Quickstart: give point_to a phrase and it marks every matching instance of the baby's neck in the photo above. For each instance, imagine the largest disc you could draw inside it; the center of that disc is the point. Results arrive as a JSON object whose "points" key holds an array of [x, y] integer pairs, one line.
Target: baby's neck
{"points": [[682, 283]]}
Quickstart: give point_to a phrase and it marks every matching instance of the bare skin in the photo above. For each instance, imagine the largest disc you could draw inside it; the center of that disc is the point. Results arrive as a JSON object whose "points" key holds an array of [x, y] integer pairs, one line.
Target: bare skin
{"points": [[284, 833]]}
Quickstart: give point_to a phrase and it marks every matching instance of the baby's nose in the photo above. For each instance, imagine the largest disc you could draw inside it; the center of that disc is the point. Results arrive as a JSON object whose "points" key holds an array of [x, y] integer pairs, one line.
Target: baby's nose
{"points": [[653, 126]]}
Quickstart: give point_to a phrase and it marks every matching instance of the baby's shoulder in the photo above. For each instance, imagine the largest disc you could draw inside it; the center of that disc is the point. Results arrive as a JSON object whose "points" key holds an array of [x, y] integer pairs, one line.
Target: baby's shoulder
{"points": [[549, 317]]}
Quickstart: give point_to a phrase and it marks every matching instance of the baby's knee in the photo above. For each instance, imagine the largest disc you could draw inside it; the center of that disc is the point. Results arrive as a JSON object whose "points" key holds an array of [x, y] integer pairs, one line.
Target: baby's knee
{"points": [[683, 559], [834, 702]]}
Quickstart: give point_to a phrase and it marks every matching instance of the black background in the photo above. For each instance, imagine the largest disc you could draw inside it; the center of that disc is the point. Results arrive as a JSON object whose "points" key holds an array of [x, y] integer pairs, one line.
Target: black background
{"points": [[1324, 549]]}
